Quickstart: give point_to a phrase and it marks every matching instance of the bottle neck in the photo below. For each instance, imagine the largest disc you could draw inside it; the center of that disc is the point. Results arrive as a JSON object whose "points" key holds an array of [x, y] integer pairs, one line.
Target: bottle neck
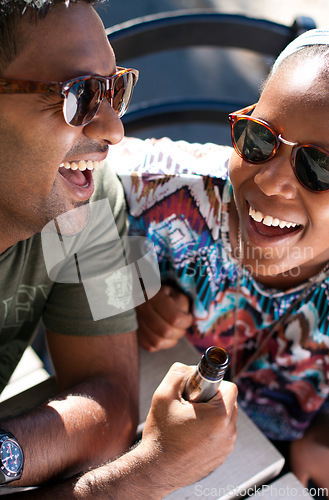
{"points": [[214, 363]]}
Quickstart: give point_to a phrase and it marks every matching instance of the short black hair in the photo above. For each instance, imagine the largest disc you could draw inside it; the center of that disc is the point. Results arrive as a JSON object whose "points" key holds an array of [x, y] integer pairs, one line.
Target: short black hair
{"points": [[11, 14]]}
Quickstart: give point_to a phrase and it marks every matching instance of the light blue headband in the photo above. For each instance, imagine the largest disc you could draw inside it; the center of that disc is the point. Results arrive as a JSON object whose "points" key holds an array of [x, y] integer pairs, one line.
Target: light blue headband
{"points": [[312, 37]]}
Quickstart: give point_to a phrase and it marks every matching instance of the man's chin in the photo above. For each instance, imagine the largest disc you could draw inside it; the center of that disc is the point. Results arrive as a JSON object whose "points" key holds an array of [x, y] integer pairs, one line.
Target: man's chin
{"points": [[74, 221], [71, 222]]}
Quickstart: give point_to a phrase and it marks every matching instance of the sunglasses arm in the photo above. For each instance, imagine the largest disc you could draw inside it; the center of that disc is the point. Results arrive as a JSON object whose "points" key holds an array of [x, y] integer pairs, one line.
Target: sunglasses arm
{"points": [[8, 86]]}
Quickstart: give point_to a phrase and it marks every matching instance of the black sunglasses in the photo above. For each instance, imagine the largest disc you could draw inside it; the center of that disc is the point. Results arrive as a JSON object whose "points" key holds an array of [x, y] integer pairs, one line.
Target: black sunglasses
{"points": [[255, 141], [83, 95]]}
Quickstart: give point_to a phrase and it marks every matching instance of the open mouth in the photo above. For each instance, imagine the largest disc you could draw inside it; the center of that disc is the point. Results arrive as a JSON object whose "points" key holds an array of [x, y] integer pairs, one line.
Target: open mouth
{"points": [[272, 226], [80, 173]]}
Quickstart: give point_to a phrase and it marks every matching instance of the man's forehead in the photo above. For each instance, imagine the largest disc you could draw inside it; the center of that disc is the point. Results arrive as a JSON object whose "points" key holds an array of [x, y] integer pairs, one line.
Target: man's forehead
{"points": [[68, 42]]}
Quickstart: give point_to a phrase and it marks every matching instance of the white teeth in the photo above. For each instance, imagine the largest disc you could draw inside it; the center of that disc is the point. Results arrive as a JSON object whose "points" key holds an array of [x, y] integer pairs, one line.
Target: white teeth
{"points": [[82, 165], [268, 220], [257, 216]]}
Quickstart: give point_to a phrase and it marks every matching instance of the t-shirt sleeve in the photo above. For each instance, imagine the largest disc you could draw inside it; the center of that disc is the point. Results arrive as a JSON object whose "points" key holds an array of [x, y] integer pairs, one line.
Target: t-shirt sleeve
{"points": [[69, 310]]}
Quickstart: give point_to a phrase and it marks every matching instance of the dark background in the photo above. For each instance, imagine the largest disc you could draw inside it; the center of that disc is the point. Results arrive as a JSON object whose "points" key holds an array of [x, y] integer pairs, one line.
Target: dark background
{"points": [[233, 74]]}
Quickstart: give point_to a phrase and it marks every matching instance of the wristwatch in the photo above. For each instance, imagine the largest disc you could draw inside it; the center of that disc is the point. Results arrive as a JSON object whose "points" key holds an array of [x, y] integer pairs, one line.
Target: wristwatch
{"points": [[11, 458]]}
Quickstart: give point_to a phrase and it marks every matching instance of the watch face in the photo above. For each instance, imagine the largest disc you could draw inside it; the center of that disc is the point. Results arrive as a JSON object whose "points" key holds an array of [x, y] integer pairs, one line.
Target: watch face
{"points": [[11, 457]]}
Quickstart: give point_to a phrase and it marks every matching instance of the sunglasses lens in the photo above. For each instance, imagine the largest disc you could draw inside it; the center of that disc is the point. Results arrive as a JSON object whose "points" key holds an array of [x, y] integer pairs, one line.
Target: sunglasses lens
{"points": [[122, 92], [312, 168], [253, 141], [82, 102], [83, 98]]}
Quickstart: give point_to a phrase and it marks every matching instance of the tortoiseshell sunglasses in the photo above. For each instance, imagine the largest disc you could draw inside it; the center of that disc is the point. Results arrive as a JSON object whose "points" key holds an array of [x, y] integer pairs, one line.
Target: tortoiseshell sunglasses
{"points": [[82, 96], [256, 142]]}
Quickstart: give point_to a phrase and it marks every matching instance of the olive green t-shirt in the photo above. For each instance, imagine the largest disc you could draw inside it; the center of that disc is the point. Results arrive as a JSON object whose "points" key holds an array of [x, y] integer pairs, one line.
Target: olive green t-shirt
{"points": [[27, 294]]}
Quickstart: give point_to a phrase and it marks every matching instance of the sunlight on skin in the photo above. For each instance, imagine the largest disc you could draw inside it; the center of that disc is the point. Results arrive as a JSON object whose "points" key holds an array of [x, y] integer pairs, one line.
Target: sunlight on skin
{"points": [[303, 77]]}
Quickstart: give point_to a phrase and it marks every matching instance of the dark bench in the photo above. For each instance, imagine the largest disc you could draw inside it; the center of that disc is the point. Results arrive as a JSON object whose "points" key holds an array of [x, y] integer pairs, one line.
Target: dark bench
{"points": [[138, 39]]}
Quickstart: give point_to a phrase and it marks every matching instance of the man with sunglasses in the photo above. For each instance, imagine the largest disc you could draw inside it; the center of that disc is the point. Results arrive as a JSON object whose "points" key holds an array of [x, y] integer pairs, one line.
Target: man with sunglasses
{"points": [[61, 98]]}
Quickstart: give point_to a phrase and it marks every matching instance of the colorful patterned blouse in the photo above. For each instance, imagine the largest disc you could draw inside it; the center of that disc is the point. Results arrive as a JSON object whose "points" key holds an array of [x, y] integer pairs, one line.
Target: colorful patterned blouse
{"points": [[179, 196]]}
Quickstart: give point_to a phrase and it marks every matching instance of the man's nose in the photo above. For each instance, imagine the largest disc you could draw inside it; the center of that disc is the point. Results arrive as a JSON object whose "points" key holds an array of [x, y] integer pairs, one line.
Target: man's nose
{"points": [[106, 127]]}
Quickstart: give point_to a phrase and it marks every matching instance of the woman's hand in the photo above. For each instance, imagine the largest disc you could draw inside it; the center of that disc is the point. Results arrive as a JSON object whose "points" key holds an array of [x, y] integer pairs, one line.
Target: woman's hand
{"points": [[163, 320], [309, 456]]}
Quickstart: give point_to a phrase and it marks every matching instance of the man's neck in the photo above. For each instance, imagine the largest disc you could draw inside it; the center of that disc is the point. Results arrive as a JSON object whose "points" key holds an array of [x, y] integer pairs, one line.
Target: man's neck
{"points": [[7, 242], [3, 248]]}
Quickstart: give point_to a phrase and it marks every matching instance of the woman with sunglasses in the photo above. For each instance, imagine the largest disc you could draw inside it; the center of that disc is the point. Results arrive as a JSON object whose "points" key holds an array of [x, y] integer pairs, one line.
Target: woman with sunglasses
{"points": [[251, 252]]}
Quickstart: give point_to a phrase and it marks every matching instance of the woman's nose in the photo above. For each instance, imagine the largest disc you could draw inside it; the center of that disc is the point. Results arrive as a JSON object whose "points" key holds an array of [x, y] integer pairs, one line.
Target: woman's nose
{"points": [[276, 177]]}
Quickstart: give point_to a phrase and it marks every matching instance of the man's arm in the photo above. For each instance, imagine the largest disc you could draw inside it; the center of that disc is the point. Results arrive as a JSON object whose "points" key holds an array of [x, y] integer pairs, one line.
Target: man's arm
{"points": [[94, 417], [182, 442]]}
